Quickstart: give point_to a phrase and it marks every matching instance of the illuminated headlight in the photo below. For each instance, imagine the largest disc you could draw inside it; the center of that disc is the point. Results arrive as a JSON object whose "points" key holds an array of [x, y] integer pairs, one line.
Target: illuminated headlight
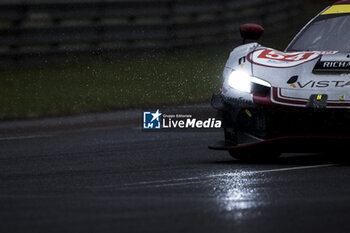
{"points": [[242, 81]]}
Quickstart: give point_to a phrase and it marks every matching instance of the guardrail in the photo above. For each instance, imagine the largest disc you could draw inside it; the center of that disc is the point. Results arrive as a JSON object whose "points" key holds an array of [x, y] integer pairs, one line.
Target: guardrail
{"points": [[42, 31]]}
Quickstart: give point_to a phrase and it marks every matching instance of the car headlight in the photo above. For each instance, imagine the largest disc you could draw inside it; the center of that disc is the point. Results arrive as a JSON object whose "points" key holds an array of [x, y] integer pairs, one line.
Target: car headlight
{"points": [[242, 81]]}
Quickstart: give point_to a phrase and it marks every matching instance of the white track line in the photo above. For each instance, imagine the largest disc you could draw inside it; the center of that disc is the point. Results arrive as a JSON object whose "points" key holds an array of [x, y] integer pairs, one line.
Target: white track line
{"points": [[297, 168], [198, 179], [24, 137]]}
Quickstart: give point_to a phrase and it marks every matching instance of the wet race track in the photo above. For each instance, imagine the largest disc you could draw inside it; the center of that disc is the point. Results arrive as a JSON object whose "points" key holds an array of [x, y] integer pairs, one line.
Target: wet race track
{"points": [[119, 179]]}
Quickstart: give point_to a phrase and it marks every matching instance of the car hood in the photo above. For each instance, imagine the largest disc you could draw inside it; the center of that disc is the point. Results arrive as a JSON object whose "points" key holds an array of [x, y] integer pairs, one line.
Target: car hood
{"points": [[298, 76], [305, 70]]}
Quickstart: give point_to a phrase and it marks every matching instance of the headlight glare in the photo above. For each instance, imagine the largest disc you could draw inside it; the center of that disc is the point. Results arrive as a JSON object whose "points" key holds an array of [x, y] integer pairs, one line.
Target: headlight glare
{"points": [[261, 82], [240, 81]]}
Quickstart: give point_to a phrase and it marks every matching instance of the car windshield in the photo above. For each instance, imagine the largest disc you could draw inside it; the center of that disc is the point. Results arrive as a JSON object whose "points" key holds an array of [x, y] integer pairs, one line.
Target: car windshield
{"points": [[325, 34]]}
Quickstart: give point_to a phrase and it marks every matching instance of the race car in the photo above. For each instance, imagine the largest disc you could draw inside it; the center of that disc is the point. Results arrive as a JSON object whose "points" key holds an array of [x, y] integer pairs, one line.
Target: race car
{"points": [[296, 100]]}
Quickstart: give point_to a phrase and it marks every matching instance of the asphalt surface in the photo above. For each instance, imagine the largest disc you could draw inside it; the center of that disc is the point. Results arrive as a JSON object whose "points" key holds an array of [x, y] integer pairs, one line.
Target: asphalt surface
{"points": [[120, 179]]}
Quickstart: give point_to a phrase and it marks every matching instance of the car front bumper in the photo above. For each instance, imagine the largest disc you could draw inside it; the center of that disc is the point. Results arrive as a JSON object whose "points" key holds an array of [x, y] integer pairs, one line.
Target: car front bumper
{"points": [[279, 120]]}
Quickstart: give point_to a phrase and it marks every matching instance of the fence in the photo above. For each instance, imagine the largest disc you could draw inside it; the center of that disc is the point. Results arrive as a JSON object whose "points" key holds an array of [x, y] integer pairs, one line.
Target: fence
{"points": [[40, 31]]}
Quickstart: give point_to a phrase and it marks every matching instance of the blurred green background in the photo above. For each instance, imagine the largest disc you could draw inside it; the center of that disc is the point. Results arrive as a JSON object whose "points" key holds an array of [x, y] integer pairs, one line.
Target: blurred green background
{"points": [[181, 77]]}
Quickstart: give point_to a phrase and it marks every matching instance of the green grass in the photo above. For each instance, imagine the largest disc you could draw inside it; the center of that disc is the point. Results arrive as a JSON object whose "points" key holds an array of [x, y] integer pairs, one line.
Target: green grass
{"points": [[174, 78]]}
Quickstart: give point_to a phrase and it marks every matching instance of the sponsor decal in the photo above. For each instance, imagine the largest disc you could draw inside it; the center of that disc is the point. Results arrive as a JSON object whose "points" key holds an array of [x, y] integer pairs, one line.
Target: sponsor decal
{"points": [[293, 80], [321, 84], [342, 97], [248, 113], [157, 120], [317, 101], [320, 100], [327, 52], [241, 60], [334, 66], [274, 58]]}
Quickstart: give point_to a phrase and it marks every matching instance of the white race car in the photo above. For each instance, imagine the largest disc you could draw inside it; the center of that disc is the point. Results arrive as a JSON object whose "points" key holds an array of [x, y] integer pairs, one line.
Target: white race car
{"points": [[286, 101]]}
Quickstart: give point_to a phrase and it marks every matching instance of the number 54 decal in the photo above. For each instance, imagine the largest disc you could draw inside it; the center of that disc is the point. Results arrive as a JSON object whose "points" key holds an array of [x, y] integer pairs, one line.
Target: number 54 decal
{"points": [[274, 58]]}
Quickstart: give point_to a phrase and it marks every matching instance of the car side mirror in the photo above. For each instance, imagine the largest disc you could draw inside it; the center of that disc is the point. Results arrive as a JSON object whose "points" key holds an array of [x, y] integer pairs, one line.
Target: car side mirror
{"points": [[251, 31]]}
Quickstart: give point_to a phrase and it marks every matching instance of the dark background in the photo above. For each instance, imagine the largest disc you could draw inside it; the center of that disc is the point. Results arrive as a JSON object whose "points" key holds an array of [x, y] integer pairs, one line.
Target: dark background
{"points": [[71, 57], [99, 172]]}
